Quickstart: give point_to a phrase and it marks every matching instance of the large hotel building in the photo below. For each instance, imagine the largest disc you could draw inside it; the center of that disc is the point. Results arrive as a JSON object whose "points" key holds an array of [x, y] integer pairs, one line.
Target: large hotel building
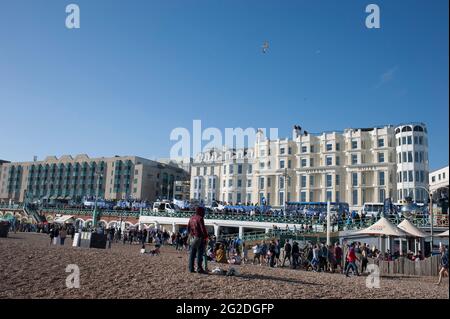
{"points": [[354, 166], [73, 178]]}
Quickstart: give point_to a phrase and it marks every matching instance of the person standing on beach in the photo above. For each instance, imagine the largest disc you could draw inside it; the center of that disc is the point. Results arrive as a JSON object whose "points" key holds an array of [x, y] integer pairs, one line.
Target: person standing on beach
{"points": [[245, 252], [63, 235], [271, 253], [315, 260], [264, 251], [257, 254], [197, 231], [277, 252], [338, 256], [52, 234], [55, 241], [287, 253], [178, 241], [323, 254], [364, 259], [346, 247], [144, 236], [131, 236], [110, 236]]}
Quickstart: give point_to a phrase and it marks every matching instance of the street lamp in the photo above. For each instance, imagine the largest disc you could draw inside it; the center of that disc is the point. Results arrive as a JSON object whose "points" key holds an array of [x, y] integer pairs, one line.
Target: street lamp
{"points": [[430, 203], [285, 190]]}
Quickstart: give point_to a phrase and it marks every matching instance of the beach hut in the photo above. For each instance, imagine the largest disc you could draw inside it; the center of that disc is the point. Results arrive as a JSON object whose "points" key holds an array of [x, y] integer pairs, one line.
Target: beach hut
{"points": [[412, 231], [382, 228]]}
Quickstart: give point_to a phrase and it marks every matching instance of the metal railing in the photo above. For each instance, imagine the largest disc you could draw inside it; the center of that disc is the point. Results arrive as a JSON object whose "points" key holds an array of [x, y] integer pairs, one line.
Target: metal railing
{"points": [[306, 224], [275, 233], [88, 212], [12, 206]]}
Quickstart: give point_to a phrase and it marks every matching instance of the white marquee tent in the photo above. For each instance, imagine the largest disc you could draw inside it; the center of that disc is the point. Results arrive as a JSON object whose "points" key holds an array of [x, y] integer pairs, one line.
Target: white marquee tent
{"points": [[444, 234], [381, 228], [411, 229]]}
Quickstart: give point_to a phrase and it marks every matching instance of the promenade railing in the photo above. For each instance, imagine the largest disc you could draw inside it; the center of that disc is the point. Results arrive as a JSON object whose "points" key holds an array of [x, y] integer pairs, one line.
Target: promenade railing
{"points": [[12, 206], [305, 224]]}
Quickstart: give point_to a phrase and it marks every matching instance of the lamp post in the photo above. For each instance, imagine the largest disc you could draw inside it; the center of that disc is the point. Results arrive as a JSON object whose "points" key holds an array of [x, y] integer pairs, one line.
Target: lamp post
{"points": [[94, 213], [285, 190], [430, 203]]}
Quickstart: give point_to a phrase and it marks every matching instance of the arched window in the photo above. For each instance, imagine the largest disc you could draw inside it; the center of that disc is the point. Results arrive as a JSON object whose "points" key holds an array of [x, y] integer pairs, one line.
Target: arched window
{"points": [[406, 129], [418, 128]]}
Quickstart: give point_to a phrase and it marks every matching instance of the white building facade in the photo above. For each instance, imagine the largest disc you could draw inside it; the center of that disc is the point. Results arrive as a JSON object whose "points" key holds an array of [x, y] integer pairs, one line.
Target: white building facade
{"points": [[439, 179], [353, 166]]}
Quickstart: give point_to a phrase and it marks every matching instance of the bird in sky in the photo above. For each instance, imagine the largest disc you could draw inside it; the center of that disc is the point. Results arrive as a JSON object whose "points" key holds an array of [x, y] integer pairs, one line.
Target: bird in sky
{"points": [[265, 47]]}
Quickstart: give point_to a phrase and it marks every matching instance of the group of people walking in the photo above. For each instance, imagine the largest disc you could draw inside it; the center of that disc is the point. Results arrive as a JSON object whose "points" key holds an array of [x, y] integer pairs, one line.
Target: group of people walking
{"points": [[59, 233]]}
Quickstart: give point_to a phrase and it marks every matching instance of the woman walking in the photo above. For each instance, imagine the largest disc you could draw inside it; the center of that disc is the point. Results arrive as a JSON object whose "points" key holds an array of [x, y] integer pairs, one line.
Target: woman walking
{"points": [[444, 264]]}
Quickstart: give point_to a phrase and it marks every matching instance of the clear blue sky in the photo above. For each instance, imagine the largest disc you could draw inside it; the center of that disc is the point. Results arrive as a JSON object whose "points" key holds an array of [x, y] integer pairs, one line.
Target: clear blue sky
{"points": [[137, 69]]}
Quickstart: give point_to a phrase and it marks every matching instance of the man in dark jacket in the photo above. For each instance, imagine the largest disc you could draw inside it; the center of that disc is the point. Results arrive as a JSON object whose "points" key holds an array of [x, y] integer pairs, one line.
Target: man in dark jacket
{"points": [[198, 234], [272, 248], [287, 253]]}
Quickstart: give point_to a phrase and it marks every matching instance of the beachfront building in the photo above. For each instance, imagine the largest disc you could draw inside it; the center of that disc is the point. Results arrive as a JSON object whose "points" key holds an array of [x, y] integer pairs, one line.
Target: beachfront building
{"points": [[438, 179], [1, 163], [354, 166], [182, 190], [70, 178], [439, 188], [184, 163], [412, 161]]}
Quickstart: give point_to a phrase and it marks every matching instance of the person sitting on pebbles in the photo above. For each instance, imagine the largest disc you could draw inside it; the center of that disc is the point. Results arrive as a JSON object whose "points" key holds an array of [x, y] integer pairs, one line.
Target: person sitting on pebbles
{"points": [[235, 259], [211, 255]]}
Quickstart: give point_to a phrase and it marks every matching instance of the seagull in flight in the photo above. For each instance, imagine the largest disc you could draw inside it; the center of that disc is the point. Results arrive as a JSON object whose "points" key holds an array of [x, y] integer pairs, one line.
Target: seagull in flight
{"points": [[265, 47]]}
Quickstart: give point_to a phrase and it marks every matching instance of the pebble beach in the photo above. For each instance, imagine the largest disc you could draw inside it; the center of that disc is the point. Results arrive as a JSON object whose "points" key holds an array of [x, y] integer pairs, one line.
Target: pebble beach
{"points": [[32, 268]]}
